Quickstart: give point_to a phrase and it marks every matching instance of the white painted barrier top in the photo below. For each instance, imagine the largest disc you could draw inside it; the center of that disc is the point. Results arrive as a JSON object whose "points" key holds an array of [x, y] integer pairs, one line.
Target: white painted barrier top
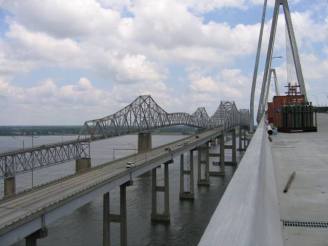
{"points": [[248, 213]]}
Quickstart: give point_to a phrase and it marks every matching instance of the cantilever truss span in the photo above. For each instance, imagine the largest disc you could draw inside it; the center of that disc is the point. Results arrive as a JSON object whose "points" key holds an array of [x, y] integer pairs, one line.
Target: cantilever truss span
{"points": [[143, 114], [24, 160]]}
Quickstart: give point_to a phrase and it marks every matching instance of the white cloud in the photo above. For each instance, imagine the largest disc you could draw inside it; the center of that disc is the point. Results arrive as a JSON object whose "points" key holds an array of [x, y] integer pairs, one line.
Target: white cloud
{"points": [[228, 84], [136, 67], [315, 68], [82, 100], [272, 2], [204, 85], [48, 93], [137, 46], [211, 5], [74, 18], [40, 46]]}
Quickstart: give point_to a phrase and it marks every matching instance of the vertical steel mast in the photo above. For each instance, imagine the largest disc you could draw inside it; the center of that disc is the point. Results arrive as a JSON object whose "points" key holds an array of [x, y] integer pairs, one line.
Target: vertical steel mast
{"points": [[257, 67], [296, 59]]}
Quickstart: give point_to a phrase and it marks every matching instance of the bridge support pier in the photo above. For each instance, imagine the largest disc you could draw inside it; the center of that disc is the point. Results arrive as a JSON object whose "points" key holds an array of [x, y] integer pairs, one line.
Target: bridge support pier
{"points": [[31, 240], [82, 165], [115, 218], [233, 148], [9, 186], [144, 142], [203, 160], [155, 215], [187, 195], [240, 147], [243, 141], [221, 156], [144, 145]]}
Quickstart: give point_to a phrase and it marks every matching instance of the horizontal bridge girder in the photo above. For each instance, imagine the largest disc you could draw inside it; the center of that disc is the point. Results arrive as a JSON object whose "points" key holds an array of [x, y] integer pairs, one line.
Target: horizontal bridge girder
{"points": [[15, 162]]}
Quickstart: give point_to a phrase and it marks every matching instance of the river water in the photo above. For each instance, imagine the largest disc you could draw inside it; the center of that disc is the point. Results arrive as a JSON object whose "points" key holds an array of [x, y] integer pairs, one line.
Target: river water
{"points": [[84, 226]]}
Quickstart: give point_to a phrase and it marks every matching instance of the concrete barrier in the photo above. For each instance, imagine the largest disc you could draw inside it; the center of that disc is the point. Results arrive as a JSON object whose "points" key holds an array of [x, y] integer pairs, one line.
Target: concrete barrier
{"points": [[248, 213]]}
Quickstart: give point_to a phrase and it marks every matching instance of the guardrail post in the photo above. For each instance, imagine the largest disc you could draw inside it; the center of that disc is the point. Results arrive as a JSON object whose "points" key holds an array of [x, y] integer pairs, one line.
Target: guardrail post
{"points": [[155, 215], [115, 218], [187, 194], [82, 165], [9, 186], [203, 160]]}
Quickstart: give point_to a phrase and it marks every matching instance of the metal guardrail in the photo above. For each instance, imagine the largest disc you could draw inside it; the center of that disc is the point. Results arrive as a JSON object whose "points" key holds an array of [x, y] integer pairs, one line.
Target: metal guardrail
{"points": [[248, 213]]}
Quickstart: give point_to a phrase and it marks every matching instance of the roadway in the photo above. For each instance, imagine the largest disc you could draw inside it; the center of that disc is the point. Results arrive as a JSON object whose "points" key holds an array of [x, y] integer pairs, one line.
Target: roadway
{"points": [[29, 211], [304, 207]]}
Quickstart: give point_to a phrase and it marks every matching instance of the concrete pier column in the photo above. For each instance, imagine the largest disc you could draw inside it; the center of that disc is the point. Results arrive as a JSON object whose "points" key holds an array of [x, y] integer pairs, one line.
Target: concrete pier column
{"points": [[189, 194], [199, 164], [144, 145], [240, 137], [181, 175], [165, 215], [234, 147], [245, 139], [106, 221], [123, 219], [203, 161], [222, 155], [9, 186], [191, 175], [144, 142], [31, 240], [82, 165], [120, 218]]}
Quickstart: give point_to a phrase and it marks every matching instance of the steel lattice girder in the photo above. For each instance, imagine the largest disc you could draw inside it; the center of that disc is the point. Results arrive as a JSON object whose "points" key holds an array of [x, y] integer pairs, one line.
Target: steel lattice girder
{"points": [[15, 162], [142, 114], [145, 114]]}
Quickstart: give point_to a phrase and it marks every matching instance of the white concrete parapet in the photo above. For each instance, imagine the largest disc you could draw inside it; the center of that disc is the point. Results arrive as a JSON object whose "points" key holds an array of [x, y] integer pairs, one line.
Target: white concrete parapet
{"points": [[248, 213]]}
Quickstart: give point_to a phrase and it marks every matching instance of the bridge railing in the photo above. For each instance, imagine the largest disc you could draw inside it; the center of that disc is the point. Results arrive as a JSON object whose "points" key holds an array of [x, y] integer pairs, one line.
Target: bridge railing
{"points": [[248, 213]]}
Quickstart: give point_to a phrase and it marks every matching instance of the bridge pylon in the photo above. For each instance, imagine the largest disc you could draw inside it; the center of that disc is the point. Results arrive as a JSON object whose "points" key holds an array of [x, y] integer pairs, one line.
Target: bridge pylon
{"points": [[296, 59]]}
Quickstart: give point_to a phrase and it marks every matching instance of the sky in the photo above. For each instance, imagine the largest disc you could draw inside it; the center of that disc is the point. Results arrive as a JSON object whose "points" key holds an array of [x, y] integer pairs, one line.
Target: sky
{"points": [[65, 62]]}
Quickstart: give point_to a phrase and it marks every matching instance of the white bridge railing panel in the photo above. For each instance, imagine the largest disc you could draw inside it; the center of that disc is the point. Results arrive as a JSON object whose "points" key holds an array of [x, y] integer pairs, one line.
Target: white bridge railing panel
{"points": [[248, 213]]}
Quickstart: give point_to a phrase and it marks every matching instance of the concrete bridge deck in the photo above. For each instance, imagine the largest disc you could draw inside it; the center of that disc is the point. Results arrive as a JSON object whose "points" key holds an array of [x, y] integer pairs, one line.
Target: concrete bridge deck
{"points": [[306, 201], [35, 209]]}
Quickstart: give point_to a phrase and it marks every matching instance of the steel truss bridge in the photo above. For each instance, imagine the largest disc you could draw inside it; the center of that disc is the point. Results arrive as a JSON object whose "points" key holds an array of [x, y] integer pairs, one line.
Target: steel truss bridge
{"points": [[24, 160], [143, 114]]}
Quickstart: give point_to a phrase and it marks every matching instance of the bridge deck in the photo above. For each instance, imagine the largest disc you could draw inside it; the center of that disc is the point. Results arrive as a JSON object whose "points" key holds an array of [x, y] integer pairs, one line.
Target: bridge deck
{"points": [[307, 198], [24, 209]]}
